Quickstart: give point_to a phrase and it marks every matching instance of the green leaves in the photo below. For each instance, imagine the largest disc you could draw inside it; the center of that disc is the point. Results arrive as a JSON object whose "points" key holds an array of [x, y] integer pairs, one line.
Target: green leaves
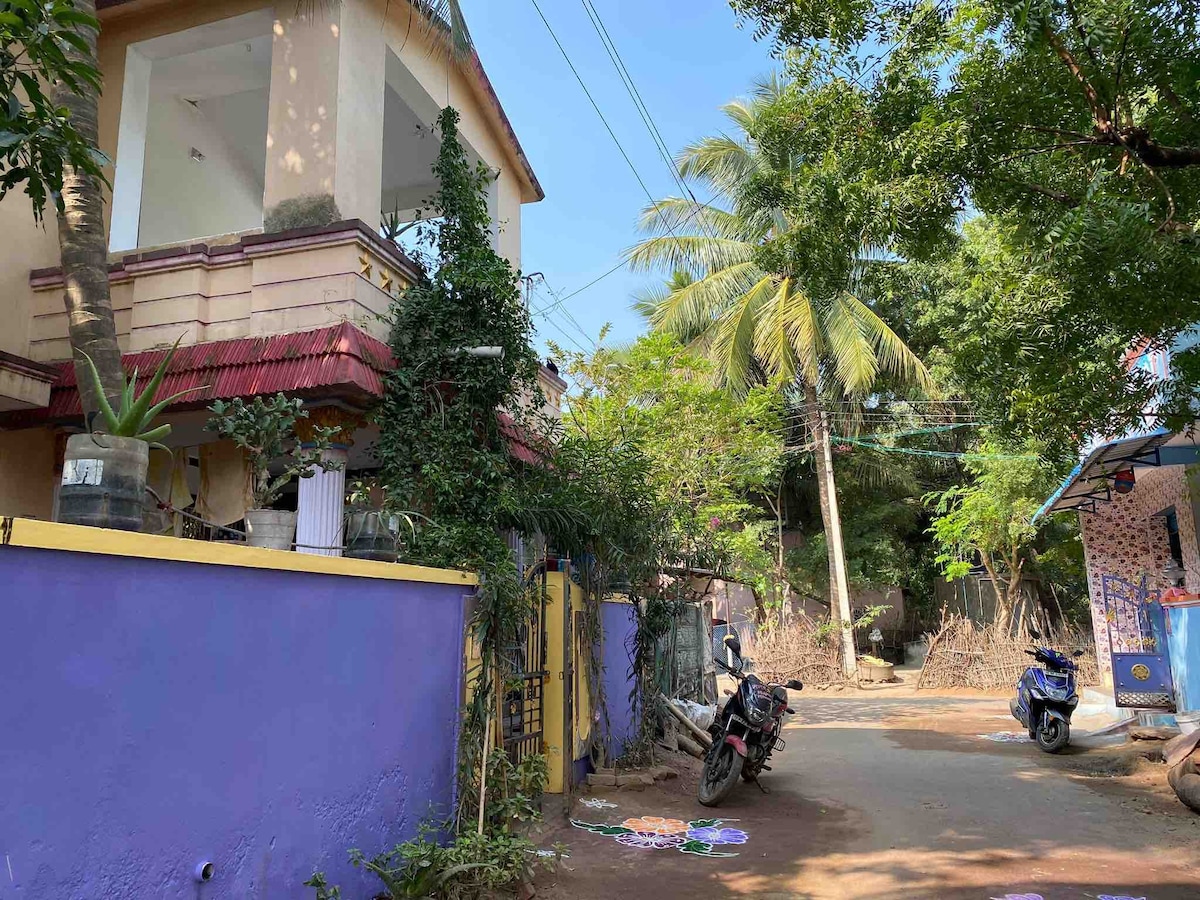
{"points": [[43, 43], [266, 430], [606, 830], [134, 414], [696, 452], [1072, 128], [993, 515]]}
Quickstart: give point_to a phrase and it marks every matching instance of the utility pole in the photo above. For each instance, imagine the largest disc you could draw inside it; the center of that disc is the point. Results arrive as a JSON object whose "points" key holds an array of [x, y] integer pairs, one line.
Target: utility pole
{"points": [[841, 585]]}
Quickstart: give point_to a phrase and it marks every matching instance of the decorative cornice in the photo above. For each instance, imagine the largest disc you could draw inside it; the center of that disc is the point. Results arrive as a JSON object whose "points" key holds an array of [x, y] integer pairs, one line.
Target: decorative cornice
{"points": [[246, 247]]}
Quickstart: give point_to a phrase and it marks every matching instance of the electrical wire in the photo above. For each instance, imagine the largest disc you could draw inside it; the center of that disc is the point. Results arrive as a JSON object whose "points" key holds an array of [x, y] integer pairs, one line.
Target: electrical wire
{"points": [[639, 102], [695, 212], [596, 106], [940, 454]]}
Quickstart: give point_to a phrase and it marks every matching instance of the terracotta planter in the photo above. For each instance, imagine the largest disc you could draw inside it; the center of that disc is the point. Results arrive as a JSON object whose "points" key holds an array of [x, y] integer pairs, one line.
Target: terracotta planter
{"points": [[271, 529], [874, 673], [104, 482]]}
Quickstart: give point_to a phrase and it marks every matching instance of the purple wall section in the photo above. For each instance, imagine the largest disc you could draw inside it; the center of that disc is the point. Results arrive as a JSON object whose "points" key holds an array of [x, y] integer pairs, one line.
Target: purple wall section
{"points": [[619, 623], [158, 714]]}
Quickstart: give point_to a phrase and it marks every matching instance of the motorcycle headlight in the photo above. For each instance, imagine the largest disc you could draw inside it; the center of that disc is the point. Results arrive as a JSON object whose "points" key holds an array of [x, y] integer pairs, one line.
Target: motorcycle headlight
{"points": [[756, 716]]}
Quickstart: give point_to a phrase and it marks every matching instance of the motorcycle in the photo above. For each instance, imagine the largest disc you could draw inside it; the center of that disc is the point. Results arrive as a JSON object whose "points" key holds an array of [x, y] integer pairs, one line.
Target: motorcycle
{"points": [[1046, 697], [746, 732]]}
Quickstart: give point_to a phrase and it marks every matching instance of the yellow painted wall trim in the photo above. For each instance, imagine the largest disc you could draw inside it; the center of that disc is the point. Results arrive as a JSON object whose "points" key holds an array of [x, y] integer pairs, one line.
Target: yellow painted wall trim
{"points": [[80, 539]]}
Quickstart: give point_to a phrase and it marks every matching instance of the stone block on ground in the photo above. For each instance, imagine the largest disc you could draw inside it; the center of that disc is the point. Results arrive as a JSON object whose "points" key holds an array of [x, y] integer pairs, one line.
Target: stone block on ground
{"points": [[1152, 733], [597, 780]]}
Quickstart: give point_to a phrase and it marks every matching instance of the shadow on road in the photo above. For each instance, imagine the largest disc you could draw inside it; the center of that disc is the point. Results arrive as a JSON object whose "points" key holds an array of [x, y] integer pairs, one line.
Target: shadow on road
{"points": [[900, 798]]}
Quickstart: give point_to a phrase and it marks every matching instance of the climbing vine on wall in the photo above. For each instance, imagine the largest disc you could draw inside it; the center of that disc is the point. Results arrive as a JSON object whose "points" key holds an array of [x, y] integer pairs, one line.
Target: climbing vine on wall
{"points": [[442, 447]]}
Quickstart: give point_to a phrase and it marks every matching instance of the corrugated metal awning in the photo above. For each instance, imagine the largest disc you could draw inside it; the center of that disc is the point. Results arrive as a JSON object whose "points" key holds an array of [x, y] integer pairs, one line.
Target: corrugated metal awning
{"points": [[1088, 482]]}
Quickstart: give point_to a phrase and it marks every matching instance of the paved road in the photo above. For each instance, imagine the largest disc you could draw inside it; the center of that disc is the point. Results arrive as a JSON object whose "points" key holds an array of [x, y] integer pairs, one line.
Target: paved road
{"points": [[895, 797]]}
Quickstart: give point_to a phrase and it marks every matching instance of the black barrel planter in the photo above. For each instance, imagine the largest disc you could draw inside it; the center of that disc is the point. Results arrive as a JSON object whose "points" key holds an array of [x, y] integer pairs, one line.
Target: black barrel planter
{"points": [[368, 537], [104, 482]]}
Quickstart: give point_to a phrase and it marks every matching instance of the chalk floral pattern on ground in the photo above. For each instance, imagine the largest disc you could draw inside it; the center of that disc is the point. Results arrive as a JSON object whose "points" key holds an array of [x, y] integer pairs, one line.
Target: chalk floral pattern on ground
{"points": [[647, 840], [696, 838], [656, 825], [597, 803], [712, 834]]}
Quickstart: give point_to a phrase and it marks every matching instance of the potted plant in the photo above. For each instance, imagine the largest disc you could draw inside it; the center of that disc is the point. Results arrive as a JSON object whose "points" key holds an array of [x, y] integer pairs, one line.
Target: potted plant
{"points": [[104, 470], [266, 431], [368, 531]]}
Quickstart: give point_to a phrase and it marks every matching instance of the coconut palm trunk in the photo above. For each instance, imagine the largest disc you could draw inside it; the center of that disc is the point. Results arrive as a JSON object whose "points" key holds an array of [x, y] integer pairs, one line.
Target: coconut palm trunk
{"points": [[83, 246], [839, 588]]}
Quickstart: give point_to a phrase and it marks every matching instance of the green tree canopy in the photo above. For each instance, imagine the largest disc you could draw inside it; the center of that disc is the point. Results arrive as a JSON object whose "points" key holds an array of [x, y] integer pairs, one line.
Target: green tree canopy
{"points": [[711, 456], [992, 518], [1073, 128], [41, 44]]}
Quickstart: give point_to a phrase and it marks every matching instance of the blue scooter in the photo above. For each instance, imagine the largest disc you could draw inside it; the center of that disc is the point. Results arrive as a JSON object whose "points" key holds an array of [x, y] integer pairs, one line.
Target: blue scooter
{"points": [[1046, 697]]}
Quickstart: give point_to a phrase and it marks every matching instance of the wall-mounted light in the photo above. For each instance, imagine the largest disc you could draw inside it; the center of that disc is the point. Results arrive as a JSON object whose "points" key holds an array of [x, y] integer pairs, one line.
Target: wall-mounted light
{"points": [[480, 352], [196, 155]]}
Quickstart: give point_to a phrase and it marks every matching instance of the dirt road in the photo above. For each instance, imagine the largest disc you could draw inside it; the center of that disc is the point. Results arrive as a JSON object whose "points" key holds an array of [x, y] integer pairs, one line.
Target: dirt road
{"points": [[898, 797]]}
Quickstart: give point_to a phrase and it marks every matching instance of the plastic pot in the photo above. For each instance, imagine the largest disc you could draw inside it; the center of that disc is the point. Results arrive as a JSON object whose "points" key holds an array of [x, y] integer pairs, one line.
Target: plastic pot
{"points": [[103, 482], [368, 537]]}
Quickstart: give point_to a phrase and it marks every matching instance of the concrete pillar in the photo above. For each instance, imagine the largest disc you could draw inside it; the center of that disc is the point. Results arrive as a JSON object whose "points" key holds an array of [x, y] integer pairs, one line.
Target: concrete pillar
{"points": [[321, 507], [325, 125], [362, 79]]}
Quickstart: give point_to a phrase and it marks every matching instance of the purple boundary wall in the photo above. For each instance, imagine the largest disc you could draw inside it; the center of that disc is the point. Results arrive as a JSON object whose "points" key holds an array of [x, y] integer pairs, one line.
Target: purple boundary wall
{"points": [[619, 623], [159, 714]]}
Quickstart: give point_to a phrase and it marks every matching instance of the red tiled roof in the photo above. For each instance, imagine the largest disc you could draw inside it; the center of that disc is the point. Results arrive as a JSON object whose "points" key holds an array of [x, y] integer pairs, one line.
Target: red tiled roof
{"points": [[522, 445], [339, 361]]}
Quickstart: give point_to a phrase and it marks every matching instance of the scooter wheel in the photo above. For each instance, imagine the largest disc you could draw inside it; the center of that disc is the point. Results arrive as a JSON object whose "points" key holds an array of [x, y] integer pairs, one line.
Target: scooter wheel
{"points": [[1053, 736]]}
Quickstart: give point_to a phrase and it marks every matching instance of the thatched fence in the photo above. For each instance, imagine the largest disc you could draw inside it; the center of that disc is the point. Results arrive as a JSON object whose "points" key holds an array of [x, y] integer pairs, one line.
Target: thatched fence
{"points": [[965, 655], [802, 649]]}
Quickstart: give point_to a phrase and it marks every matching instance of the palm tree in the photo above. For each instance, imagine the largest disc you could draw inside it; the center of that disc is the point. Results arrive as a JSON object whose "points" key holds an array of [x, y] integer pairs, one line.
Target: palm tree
{"points": [[82, 241], [806, 323]]}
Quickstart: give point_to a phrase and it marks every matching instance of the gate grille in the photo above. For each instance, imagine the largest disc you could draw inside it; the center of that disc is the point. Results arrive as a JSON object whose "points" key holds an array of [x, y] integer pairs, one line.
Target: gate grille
{"points": [[523, 670], [1143, 700]]}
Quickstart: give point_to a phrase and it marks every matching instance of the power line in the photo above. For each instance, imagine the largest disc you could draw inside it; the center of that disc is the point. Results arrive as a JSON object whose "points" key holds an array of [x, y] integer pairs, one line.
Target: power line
{"points": [[939, 454], [592, 283], [699, 208], [596, 106], [547, 311], [639, 102], [567, 336]]}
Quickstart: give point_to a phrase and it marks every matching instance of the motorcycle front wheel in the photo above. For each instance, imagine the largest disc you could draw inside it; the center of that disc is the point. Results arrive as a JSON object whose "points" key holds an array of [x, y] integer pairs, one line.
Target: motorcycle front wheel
{"points": [[1053, 735], [721, 771]]}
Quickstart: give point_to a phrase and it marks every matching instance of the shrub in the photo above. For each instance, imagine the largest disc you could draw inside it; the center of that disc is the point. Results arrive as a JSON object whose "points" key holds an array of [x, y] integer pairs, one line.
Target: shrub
{"points": [[306, 211]]}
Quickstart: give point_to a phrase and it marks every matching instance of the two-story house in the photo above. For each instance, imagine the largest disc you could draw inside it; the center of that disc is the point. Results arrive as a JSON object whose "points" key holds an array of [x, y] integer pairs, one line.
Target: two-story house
{"points": [[214, 112]]}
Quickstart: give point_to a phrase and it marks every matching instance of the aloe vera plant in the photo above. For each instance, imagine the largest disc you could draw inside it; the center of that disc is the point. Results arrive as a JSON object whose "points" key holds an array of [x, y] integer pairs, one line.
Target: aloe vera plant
{"points": [[134, 414]]}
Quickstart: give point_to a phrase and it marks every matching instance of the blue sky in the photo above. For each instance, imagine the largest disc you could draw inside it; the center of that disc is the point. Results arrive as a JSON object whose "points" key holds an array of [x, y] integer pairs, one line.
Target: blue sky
{"points": [[687, 58]]}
